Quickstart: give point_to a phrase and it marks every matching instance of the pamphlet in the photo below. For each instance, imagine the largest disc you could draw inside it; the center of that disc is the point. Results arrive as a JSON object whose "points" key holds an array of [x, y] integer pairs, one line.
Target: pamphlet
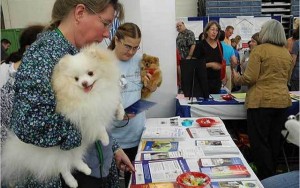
{"points": [[156, 185], [159, 146], [169, 133], [160, 155], [217, 147], [206, 162], [235, 184], [158, 170], [197, 132], [166, 122], [230, 171]]}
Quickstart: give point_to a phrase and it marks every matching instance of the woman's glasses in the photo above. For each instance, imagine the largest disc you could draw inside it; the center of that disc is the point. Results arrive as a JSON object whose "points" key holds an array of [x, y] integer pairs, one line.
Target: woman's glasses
{"points": [[106, 24], [128, 47]]}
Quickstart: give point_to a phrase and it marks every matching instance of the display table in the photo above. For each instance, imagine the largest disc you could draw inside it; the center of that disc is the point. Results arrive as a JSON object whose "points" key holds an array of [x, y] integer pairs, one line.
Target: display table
{"points": [[226, 110], [188, 144]]}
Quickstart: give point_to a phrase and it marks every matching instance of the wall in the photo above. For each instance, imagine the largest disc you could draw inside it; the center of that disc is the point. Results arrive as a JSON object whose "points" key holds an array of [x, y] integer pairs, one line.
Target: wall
{"points": [[186, 8], [20, 13], [158, 39]]}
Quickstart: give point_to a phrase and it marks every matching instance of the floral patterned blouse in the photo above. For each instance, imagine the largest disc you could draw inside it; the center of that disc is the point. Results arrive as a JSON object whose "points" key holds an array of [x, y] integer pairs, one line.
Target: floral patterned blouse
{"points": [[34, 119]]}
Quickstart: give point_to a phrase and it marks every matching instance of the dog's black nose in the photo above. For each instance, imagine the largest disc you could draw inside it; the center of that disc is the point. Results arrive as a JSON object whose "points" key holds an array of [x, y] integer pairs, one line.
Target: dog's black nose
{"points": [[85, 84]]}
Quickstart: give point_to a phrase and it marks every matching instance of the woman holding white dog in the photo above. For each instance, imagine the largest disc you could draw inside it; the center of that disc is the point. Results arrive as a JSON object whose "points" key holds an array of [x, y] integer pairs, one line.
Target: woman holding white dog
{"points": [[75, 23], [125, 44]]}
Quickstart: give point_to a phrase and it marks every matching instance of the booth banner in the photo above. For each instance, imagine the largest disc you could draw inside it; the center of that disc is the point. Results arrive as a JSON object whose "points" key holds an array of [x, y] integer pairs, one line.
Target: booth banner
{"points": [[245, 26]]}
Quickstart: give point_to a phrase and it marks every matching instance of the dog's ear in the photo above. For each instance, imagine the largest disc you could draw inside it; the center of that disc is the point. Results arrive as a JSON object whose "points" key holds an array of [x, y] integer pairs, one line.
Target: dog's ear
{"points": [[64, 62], [156, 60], [95, 52]]}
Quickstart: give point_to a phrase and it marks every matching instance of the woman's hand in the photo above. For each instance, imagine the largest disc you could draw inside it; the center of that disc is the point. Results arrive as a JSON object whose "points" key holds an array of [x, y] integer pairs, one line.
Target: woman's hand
{"points": [[123, 162], [151, 87], [128, 116], [213, 65], [235, 75]]}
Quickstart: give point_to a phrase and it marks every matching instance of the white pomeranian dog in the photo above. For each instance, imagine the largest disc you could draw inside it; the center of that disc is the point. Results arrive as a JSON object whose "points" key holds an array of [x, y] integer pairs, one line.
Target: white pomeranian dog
{"points": [[87, 92]]}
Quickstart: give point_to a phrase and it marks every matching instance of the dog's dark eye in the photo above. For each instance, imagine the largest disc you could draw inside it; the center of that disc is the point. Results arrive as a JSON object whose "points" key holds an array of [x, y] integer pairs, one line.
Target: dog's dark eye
{"points": [[76, 79], [90, 73]]}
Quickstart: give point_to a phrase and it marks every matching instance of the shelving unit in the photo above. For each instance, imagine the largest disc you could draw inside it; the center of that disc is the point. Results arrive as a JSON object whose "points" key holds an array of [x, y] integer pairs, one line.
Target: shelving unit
{"points": [[279, 8], [233, 8], [287, 9]]}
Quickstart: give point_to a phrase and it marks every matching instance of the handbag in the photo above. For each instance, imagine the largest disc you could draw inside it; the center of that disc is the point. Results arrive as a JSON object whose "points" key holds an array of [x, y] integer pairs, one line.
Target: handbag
{"points": [[223, 64]]}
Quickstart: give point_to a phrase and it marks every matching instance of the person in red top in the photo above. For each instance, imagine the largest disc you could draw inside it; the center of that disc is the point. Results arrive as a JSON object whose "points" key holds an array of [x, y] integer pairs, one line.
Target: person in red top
{"points": [[178, 59]]}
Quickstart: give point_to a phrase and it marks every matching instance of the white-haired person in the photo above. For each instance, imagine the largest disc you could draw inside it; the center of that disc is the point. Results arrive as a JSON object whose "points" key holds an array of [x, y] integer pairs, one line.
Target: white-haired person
{"points": [[267, 74]]}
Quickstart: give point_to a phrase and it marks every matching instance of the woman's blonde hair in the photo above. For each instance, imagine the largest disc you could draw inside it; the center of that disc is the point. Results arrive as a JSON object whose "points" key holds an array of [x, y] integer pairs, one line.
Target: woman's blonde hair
{"points": [[208, 26], [62, 8], [125, 30], [272, 32]]}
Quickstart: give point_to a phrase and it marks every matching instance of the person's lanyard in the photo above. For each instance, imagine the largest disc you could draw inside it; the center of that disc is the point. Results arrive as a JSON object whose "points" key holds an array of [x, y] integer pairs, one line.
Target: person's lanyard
{"points": [[100, 155], [59, 32]]}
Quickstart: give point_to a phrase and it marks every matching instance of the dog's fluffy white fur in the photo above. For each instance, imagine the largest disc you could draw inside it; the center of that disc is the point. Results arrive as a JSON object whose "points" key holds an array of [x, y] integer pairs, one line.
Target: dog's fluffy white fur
{"points": [[87, 91]]}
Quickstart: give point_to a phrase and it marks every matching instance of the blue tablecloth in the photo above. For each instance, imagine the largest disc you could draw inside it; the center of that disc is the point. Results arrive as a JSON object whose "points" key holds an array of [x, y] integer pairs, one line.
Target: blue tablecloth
{"points": [[185, 110]]}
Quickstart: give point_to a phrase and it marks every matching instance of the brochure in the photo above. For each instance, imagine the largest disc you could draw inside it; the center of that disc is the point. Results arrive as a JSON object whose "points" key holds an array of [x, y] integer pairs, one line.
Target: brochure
{"points": [[217, 147], [197, 132], [235, 184], [230, 171], [169, 133], [159, 146], [207, 162], [156, 185], [155, 171], [160, 155]]}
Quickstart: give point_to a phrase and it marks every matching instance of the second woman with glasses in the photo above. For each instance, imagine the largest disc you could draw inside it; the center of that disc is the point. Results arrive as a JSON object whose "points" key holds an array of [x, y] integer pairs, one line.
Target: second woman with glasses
{"points": [[125, 44]]}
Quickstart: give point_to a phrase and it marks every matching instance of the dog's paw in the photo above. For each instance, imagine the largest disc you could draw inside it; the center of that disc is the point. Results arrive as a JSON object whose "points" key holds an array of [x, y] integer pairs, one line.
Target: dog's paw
{"points": [[120, 112], [104, 139], [69, 179], [83, 167], [72, 184], [86, 171]]}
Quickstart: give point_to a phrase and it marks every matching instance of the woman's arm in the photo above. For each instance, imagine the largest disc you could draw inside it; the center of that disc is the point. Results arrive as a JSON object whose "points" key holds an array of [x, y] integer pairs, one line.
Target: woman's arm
{"points": [[251, 73]]}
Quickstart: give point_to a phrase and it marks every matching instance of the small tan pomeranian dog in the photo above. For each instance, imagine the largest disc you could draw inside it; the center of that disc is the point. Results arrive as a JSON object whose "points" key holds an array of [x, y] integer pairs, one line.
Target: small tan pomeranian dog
{"points": [[87, 92]]}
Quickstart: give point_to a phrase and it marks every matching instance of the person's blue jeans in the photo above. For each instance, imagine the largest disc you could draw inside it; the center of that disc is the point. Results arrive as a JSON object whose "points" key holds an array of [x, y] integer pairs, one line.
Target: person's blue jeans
{"points": [[285, 180]]}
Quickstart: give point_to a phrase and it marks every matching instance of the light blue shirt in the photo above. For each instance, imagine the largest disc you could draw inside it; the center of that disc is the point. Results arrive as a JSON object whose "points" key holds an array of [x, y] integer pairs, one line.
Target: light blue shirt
{"points": [[129, 136], [228, 52]]}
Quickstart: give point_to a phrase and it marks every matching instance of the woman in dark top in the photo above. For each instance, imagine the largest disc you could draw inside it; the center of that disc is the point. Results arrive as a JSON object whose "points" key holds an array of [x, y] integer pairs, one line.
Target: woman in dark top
{"points": [[208, 51]]}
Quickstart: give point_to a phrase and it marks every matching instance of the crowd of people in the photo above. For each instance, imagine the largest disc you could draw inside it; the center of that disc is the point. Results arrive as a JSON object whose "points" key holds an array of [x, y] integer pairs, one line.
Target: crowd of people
{"points": [[266, 72]]}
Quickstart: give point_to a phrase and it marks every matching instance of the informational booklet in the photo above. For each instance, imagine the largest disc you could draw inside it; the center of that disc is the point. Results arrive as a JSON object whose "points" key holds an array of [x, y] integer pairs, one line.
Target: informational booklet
{"points": [[139, 106], [183, 152], [159, 146], [166, 122], [158, 170], [207, 162], [217, 147], [156, 185], [197, 132], [160, 155], [235, 184], [228, 171], [164, 132]]}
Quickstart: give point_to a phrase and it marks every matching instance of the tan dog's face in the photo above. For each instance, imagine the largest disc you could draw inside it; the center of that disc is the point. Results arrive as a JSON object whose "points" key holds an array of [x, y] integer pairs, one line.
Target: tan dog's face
{"points": [[150, 63]]}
